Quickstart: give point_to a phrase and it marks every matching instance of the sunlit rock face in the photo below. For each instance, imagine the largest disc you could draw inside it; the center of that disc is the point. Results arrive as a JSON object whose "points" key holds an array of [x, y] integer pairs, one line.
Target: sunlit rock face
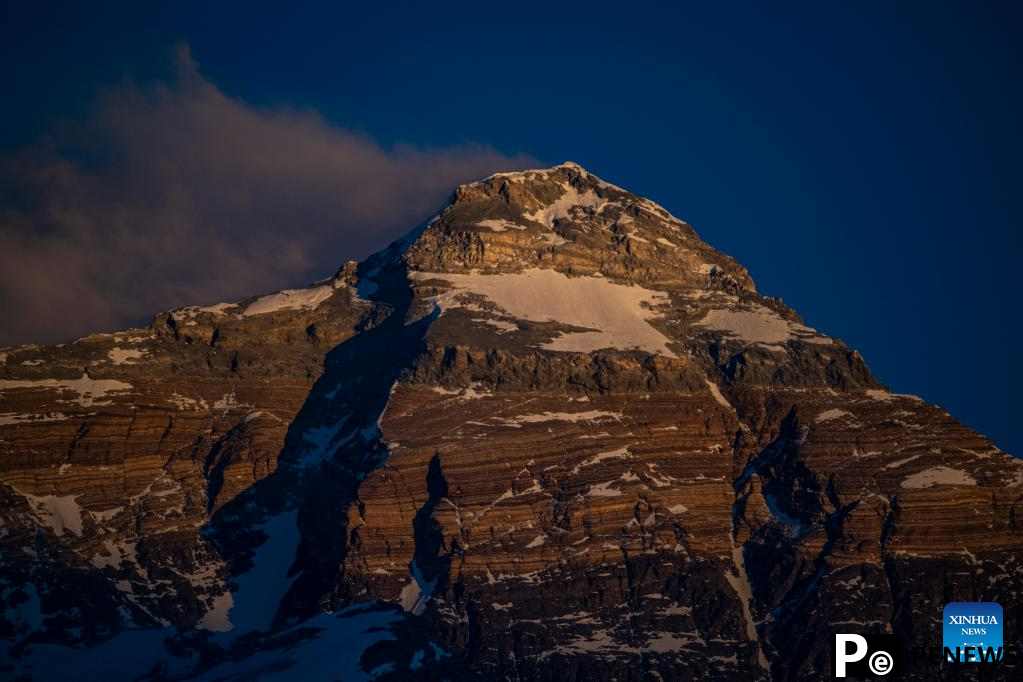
{"points": [[551, 433]]}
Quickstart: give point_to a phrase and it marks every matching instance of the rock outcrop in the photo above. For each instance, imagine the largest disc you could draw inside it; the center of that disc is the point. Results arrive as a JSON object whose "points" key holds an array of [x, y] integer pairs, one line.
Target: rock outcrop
{"points": [[551, 433]]}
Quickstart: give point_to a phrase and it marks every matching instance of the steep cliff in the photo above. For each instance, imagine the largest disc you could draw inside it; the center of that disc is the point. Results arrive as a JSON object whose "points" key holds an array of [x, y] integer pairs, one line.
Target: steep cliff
{"points": [[551, 433]]}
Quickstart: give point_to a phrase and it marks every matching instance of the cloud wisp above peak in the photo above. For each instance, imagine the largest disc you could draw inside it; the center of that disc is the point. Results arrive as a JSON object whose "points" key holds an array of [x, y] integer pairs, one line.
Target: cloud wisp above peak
{"points": [[174, 193]]}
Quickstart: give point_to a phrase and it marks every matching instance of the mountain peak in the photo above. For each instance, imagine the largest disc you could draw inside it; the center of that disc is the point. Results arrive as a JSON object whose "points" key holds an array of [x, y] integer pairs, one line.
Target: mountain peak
{"points": [[551, 390], [542, 172], [565, 218], [558, 259]]}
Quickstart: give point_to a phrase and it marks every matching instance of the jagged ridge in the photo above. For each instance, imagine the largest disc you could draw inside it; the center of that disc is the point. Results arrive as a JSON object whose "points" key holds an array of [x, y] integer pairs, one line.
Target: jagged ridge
{"points": [[552, 411]]}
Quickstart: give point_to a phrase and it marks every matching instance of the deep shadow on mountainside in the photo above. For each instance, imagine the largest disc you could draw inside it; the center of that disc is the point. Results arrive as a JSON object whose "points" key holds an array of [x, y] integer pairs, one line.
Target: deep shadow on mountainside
{"points": [[550, 434]]}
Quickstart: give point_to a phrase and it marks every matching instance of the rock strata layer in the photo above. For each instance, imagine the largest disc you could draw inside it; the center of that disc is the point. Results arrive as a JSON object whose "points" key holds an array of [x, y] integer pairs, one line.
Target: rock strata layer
{"points": [[549, 434]]}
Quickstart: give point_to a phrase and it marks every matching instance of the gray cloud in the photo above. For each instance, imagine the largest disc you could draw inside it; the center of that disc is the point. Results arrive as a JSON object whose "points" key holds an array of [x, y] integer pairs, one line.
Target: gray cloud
{"points": [[176, 194]]}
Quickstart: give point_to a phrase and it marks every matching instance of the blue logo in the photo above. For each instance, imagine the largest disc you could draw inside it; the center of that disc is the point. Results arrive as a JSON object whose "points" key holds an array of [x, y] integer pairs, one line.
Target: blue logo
{"points": [[972, 632]]}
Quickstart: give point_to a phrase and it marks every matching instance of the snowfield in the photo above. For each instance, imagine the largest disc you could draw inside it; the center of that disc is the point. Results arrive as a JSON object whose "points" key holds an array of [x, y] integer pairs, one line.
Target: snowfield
{"points": [[618, 314], [290, 299], [940, 475], [89, 390], [759, 326]]}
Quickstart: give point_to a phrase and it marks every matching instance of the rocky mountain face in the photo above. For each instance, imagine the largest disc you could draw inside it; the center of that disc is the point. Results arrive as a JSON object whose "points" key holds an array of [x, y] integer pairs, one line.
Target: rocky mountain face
{"points": [[550, 434]]}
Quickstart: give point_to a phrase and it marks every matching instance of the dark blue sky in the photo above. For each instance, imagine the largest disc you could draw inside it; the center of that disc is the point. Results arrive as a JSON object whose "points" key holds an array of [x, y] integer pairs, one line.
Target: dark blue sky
{"points": [[861, 159]]}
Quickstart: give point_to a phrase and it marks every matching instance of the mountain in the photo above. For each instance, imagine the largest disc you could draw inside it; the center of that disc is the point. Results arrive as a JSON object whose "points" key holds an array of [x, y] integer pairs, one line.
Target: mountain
{"points": [[549, 434]]}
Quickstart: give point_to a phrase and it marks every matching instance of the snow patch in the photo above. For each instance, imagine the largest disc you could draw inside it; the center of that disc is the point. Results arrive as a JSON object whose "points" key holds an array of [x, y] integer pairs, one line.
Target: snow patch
{"points": [[940, 475], [503, 326], [416, 594], [123, 356], [116, 553], [290, 299], [217, 308], [261, 589], [603, 490], [759, 326], [897, 464], [500, 225], [190, 312], [56, 512], [217, 619], [588, 416], [537, 541], [562, 207], [88, 390], [887, 396], [475, 391], [618, 314], [716, 392], [620, 453], [828, 415], [321, 442], [185, 403], [740, 583], [226, 402]]}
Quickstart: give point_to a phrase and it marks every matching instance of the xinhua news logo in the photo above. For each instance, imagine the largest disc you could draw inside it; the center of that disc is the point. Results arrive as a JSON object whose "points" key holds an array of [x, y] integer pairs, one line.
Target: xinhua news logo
{"points": [[971, 632], [867, 655]]}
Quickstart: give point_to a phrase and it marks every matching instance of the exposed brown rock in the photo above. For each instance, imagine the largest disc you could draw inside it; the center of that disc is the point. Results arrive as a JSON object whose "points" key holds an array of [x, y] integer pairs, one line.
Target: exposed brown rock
{"points": [[551, 434]]}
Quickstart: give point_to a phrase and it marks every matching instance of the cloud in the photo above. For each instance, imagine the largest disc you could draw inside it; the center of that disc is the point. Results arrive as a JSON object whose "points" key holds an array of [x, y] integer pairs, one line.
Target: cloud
{"points": [[175, 194]]}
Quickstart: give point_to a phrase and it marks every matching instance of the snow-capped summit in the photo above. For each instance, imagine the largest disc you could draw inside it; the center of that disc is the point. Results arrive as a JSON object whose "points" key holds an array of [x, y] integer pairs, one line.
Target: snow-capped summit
{"points": [[565, 218], [550, 434]]}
